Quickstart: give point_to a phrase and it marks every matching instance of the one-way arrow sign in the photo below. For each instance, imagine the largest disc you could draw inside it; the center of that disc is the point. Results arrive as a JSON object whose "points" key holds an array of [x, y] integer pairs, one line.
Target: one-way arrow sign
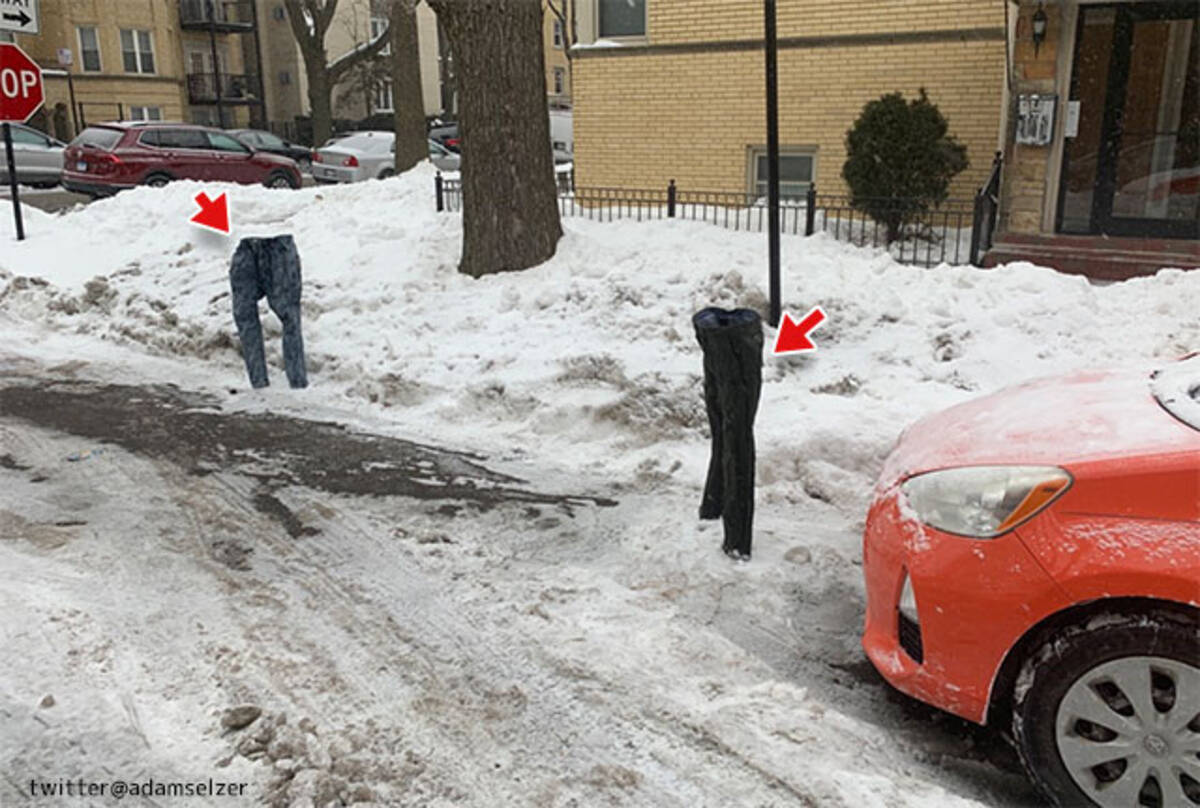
{"points": [[21, 16]]}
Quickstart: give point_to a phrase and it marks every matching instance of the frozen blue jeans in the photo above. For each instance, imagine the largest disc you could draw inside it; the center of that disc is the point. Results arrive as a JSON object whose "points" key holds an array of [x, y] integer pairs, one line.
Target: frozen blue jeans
{"points": [[270, 268]]}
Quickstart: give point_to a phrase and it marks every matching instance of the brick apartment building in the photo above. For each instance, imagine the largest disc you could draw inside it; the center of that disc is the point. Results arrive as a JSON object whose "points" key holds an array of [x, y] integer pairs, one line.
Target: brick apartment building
{"points": [[1101, 173], [674, 89]]}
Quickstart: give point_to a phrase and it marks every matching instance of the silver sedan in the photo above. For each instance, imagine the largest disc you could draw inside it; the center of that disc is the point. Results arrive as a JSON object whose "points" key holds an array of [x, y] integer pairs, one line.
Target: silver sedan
{"points": [[38, 157]]}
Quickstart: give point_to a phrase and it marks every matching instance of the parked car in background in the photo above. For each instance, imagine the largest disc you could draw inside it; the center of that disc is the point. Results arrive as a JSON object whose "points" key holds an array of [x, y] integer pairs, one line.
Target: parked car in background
{"points": [[260, 140], [38, 157], [443, 158], [106, 158], [1032, 560], [357, 157], [445, 135]]}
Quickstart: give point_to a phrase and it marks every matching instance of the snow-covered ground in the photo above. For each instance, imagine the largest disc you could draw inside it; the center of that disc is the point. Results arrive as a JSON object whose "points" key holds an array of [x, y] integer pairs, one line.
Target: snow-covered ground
{"points": [[607, 656]]}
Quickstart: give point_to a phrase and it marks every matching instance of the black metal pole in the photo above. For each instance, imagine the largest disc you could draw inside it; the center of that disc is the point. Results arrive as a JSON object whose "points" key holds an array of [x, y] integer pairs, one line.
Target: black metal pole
{"points": [[71, 91], [212, 41], [772, 160], [12, 181]]}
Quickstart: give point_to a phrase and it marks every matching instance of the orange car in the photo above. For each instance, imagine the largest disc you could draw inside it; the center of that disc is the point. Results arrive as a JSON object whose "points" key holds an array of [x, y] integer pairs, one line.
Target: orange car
{"points": [[1032, 560]]}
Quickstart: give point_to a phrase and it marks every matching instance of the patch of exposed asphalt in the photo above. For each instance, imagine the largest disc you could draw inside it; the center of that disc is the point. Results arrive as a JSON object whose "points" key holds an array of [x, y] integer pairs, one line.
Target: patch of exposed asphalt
{"points": [[190, 429]]}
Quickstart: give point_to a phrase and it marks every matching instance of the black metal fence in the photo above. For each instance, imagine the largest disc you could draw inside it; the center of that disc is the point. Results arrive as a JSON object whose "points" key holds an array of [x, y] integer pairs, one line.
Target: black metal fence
{"points": [[955, 232], [100, 111]]}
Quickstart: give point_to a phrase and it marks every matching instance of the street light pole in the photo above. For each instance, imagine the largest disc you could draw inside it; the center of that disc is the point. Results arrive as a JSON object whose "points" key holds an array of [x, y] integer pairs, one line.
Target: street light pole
{"points": [[772, 160]]}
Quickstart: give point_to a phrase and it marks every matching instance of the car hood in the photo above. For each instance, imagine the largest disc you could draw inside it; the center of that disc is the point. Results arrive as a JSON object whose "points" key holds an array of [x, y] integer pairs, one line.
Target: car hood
{"points": [[1053, 421], [276, 159]]}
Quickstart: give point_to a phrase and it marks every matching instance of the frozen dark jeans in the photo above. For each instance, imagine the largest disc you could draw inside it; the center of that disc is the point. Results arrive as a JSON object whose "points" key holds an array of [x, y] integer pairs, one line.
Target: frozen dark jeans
{"points": [[732, 343], [270, 268]]}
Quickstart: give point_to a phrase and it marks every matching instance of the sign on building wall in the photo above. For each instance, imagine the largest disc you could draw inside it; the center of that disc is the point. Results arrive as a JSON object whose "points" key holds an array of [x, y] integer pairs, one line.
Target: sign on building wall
{"points": [[20, 16], [1035, 119]]}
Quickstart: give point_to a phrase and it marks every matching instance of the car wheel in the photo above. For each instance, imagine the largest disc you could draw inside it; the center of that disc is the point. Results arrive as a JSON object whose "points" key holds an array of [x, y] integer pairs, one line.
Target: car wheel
{"points": [[279, 180], [304, 164], [387, 172], [156, 180], [1108, 714]]}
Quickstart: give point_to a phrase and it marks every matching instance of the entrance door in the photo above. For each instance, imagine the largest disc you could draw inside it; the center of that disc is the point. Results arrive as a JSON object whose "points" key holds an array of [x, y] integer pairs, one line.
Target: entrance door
{"points": [[1133, 166]]}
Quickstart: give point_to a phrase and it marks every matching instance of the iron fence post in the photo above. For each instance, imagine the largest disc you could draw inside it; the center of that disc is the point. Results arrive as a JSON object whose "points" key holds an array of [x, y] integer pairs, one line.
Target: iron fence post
{"points": [[437, 192], [976, 227], [810, 211], [671, 199]]}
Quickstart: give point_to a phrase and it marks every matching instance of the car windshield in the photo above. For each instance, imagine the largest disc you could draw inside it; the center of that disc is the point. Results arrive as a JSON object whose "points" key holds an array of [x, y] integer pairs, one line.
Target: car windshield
{"points": [[1177, 388], [99, 136]]}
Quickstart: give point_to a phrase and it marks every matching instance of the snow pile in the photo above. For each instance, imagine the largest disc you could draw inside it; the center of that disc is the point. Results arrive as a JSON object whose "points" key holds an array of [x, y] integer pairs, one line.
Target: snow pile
{"points": [[682, 678], [595, 347]]}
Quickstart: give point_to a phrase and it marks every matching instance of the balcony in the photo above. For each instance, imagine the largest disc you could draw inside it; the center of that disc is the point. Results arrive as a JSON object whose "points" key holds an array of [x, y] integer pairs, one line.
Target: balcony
{"points": [[236, 88], [219, 15]]}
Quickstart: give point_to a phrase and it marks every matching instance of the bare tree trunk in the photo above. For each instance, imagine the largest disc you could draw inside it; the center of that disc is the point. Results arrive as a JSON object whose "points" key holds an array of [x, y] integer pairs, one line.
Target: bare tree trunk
{"points": [[320, 99], [510, 205], [408, 102], [309, 20]]}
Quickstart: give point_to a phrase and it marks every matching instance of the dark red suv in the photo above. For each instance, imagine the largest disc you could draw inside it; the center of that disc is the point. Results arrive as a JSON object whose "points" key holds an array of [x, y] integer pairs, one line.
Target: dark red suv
{"points": [[106, 158]]}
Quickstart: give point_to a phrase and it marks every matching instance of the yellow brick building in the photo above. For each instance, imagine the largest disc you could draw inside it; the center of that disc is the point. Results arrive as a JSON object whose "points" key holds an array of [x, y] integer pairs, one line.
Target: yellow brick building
{"points": [[675, 88], [1109, 184], [136, 59]]}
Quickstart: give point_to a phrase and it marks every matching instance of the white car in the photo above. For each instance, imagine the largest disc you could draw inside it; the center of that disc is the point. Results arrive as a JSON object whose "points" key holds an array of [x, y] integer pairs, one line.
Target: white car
{"points": [[38, 156], [356, 157], [372, 155]]}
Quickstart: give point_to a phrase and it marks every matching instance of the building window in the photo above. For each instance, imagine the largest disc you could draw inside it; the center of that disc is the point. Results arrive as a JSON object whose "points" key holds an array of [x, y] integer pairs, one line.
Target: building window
{"points": [[797, 170], [145, 114], [137, 50], [378, 26], [89, 49], [382, 99], [558, 33], [618, 18], [560, 81]]}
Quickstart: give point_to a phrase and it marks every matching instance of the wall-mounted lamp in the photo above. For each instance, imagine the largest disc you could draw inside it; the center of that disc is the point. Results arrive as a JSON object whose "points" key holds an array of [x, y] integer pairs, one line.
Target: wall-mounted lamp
{"points": [[1039, 28]]}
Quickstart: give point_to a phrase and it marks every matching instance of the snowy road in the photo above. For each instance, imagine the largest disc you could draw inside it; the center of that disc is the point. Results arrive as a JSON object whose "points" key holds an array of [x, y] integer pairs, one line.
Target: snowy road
{"points": [[485, 633]]}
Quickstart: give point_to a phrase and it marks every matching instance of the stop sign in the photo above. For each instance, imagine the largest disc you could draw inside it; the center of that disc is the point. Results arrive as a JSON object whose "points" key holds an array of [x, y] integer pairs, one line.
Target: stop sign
{"points": [[20, 84]]}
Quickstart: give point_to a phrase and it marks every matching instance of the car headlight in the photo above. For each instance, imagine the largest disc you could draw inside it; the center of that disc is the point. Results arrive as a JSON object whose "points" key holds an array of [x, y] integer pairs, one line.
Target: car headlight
{"points": [[983, 501]]}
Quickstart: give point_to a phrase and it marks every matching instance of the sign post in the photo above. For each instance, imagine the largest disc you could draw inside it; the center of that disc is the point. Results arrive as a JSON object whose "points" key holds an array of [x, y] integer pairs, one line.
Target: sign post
{"points": [[21, 93], [771, 44]]}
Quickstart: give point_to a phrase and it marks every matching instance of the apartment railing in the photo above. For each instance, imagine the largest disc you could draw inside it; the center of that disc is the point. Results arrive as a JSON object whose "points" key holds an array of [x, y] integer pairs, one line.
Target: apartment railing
{"points": [[234, 87], [224, 15]]}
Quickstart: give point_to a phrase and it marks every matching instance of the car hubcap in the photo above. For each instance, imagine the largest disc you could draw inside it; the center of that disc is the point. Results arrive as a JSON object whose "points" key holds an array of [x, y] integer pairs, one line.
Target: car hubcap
{"points": [[1128, 732]]}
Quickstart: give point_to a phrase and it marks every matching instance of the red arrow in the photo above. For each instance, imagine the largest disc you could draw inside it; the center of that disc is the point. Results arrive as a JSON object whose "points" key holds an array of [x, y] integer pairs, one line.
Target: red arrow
{"points": [[214, 213], [793, 336]]}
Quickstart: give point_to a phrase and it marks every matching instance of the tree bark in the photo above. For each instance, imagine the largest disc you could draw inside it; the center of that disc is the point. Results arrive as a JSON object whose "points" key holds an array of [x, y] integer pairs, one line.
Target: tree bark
{"points": [[510, 204], [320, 99], [408, 101]]}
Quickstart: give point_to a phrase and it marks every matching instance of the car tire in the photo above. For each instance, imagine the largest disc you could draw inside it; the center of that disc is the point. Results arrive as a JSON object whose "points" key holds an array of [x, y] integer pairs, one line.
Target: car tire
{"points": [[157, 180], [278, 179], [386, 173], [304, 164], [1132, 738]]}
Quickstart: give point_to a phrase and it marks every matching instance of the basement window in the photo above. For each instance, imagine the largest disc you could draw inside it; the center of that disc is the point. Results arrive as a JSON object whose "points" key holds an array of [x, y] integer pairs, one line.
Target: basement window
{"points": [[797, 170]]}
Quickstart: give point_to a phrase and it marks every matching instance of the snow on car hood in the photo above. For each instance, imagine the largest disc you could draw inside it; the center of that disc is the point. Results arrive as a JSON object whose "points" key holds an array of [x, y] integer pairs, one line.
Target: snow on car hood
{"points": [[1052, 421]]}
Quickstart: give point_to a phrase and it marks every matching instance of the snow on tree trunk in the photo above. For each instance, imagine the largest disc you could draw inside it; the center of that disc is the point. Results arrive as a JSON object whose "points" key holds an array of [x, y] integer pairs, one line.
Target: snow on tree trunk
{"points": [[408, 101], [510, 205]]}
